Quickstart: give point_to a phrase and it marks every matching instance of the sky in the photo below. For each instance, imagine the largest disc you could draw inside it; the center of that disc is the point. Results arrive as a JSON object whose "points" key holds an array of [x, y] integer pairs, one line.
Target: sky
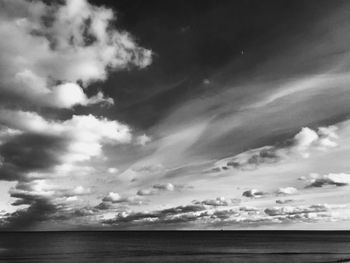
{"points": [[158, 115]]}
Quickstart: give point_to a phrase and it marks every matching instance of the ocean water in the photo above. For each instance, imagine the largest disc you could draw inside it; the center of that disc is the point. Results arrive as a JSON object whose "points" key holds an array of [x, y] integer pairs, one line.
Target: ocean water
{"points": [[175, 246]]}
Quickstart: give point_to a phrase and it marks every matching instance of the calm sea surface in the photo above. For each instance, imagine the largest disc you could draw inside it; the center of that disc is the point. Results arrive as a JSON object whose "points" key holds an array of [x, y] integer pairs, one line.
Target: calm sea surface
{"points": [[183, 246]]}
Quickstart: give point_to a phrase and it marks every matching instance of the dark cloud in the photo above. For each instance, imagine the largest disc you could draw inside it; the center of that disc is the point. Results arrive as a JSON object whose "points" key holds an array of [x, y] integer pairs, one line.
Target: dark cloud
{"points": [[30, 152], [39, 211], [284, 201], [305, 141], [253, 193], [265, 155], [341, 179]]}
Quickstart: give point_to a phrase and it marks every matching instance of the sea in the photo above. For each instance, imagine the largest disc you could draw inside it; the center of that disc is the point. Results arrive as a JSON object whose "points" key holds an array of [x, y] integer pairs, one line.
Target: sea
{"points": [[176, 246]]}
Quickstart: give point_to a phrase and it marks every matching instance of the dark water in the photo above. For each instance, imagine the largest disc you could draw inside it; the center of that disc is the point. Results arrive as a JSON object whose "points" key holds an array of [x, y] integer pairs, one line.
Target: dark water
{"points": [[184, 246]]}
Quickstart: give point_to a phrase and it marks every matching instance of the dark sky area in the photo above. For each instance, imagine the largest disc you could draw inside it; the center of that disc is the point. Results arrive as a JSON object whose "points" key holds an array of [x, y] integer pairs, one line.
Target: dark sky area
{"points": [[197, 40]]}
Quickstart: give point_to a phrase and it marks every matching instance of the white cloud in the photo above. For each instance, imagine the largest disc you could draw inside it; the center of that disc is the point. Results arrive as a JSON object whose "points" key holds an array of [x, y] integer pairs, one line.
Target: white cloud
{"points": [[112, 197], [80, 190], [307, 139], [43, 45], [158, 188], [287, 190], [112, 170], [115, 198]]}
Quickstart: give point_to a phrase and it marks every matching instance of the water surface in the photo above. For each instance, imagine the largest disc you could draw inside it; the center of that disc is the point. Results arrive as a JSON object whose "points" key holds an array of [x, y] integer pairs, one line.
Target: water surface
{"points": [[175, 246]]}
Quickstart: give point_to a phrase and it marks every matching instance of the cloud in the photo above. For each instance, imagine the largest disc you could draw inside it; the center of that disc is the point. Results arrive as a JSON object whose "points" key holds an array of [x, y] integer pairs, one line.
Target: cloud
{"points": [[143, 140], [287, 190], [42, 202], [115, 198], [165, 187], [112, 197], [112, 170], [307, 138], [41, 150], [158, 188], [80, 190], [253, 193], [219, 201], [216, 213], [29, 152], [302, 144], [169, 215], [298, 210], [336, 179], [28, 192], [148, 191], [39, 211], [217, 216], [48, 48], [285, 201], [42, 146]]}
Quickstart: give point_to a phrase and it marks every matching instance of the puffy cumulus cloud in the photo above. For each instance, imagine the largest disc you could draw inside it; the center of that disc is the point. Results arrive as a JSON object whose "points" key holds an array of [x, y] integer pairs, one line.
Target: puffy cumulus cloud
{"points": [[322, 139], [54, 146], [302, 144], [253, 193], [219, 201], [115, 198], [158, 188], [336, 179], [47, 49], [112, 197], [287, 190]]}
